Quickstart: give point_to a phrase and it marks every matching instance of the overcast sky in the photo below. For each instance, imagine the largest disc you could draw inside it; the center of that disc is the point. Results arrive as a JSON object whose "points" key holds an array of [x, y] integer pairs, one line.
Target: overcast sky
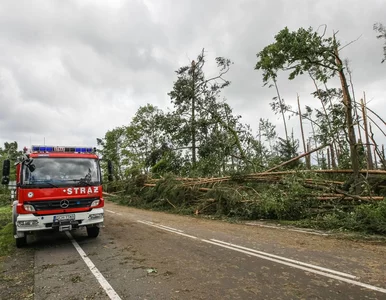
{"points": [[71, 70]]}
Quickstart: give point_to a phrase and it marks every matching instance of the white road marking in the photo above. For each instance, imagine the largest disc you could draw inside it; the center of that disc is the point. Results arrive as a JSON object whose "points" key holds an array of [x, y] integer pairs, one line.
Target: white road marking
{"points": [[289, 229], [288, 260], [347, 280], [176, 232], [113, 212], [146, 222], [281, 260], [171, 228], [98, 275]]}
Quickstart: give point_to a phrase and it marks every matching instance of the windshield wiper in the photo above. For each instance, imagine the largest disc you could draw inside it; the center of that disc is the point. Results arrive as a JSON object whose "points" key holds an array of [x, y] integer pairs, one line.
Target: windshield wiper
{"points": [[38, 182], [82, 181]]}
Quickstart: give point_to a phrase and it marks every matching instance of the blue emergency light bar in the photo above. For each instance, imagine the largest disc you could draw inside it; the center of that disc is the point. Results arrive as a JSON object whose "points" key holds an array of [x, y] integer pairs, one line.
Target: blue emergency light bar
{"points": [[47, 149]]}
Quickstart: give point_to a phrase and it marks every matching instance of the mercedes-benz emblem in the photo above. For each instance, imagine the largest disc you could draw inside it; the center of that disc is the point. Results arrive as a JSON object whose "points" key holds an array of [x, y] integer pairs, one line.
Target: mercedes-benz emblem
{"points": [[64, 203]]}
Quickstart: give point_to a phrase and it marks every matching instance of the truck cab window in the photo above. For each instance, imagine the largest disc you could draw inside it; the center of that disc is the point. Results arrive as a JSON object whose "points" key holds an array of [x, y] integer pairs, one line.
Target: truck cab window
{"points": [[62, 172]]}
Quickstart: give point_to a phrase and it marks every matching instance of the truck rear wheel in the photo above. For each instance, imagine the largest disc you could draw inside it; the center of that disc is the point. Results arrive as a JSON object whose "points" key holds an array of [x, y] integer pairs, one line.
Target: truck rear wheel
{"points": [[93, 232]]}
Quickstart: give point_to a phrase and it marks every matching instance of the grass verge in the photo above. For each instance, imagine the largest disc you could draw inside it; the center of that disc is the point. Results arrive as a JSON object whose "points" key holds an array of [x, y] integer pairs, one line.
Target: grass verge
{"points": [[6, 238]]}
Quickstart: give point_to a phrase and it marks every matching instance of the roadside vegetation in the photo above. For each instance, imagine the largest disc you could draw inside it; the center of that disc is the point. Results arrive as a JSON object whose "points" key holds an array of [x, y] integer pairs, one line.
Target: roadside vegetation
{"points": [[6, 238], [324, 167], [326, 170], [288, 201], [9, 151]]}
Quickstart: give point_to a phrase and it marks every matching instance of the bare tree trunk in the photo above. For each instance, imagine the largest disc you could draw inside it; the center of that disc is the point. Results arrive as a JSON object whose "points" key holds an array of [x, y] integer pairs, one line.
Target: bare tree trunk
{"points": [[333, 161], [281, 110], [370, 165], [375, 158], [294, 159], [193, 116], [354, 100], [308, 161], [328, 159], [350, 126], [308, 158], [261, 147], [316, 144]]}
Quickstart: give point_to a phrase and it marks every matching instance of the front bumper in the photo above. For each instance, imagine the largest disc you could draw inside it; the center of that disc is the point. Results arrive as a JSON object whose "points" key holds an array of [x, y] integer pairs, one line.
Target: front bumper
{"points": [[29, 222]]}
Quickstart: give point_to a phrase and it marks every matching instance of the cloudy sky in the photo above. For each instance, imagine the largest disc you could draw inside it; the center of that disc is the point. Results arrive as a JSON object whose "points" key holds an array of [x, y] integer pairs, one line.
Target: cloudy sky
{"points": [[71, 70]]}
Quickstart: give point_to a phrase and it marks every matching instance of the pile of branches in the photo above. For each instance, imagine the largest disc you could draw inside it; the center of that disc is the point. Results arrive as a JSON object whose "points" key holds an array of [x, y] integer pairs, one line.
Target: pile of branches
{"points": [[329, 189], [318, 199]]}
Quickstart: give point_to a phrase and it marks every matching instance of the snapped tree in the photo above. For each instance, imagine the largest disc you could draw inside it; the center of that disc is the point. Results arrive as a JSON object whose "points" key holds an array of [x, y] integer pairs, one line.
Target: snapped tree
{"points": [[306, 51]]}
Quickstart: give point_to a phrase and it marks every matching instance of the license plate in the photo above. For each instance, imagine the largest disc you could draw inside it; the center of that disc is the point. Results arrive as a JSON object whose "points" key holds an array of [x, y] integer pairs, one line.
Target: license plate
{"points": [[68, 217]]}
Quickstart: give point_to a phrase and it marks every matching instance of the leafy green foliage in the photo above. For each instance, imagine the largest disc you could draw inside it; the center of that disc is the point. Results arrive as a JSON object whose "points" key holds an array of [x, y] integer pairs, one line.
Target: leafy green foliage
{"points": [[195, 99], [381, 34], [299, 52], [366, 218], [9, 152], [287, 149], [201, 137], [111, 150], [6, 235]]}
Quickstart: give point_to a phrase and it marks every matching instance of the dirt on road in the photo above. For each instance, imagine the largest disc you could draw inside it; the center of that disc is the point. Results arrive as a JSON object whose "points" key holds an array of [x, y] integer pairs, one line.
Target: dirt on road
{"points": [[152, 255]]}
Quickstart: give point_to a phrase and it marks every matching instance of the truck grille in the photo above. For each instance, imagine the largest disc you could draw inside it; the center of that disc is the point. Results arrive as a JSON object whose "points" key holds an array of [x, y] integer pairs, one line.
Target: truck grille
{"points": [[55, 204]]}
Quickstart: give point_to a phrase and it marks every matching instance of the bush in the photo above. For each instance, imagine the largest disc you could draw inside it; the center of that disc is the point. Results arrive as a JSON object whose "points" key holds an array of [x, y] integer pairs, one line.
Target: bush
{"points": [[5, 199], [366, 218]]}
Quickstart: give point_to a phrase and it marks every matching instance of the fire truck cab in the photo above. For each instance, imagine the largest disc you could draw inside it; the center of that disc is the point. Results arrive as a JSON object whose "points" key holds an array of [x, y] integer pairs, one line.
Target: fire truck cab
{"points": [[57, 188]]}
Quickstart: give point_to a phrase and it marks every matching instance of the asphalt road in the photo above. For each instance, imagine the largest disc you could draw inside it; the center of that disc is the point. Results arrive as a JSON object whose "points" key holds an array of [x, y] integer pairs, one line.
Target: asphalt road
{"points": [[152, 255]]}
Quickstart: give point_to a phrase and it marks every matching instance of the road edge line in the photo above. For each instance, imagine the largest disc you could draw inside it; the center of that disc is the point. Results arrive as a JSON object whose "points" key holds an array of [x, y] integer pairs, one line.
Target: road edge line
{"points": [[98, 275], [294, 261]]}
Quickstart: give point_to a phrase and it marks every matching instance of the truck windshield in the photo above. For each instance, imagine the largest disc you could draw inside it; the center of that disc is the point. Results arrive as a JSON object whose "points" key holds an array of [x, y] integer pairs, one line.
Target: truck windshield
{"points": [[56, 172]]}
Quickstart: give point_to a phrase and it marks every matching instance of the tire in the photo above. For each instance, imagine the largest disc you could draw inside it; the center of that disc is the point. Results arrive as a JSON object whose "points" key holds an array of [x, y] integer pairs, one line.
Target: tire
{"points": [[93, 232], [20, 241]]}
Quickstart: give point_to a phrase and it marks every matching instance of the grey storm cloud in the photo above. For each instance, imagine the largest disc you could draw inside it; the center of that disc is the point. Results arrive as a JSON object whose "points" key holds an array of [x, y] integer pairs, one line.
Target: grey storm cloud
{"points": [[71, 70]]}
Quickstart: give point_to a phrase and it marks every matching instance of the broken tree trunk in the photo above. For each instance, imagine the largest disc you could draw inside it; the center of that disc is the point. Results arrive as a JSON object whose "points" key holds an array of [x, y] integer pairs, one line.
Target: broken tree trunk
{"points": [[294, 159], [347, 101], [308, 160], [370, 164]]}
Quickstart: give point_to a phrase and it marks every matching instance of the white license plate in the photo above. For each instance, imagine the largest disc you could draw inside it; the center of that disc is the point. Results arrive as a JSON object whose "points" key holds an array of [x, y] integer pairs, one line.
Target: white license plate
{"points": [[68, 217]]}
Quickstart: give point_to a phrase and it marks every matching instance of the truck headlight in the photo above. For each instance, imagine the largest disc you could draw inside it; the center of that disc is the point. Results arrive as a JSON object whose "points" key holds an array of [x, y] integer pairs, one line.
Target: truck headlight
{"points": [[29, 207], [95, 203]]}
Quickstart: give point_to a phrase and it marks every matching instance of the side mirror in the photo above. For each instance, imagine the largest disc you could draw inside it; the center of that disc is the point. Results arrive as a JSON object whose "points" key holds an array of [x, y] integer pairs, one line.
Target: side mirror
{"points": [[110, 170], [6, 171], [29, 163]]}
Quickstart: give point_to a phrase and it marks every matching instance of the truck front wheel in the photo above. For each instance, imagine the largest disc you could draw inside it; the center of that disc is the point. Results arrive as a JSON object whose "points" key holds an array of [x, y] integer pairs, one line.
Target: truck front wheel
{"points": [[20, 241], [93, 232]]}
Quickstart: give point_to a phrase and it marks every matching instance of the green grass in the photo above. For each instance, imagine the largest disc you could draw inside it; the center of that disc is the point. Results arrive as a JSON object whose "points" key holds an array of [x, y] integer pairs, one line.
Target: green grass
{"points": [[6, 240], [6, 230]]}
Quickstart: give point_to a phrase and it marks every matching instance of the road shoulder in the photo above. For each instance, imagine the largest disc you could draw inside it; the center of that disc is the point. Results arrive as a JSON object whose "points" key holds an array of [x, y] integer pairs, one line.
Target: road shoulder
{"points": [[17, 275]]}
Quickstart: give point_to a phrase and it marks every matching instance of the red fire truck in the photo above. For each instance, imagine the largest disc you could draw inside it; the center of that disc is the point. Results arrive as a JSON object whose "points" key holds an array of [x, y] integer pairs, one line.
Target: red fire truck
{"points": [[57, 188]]}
